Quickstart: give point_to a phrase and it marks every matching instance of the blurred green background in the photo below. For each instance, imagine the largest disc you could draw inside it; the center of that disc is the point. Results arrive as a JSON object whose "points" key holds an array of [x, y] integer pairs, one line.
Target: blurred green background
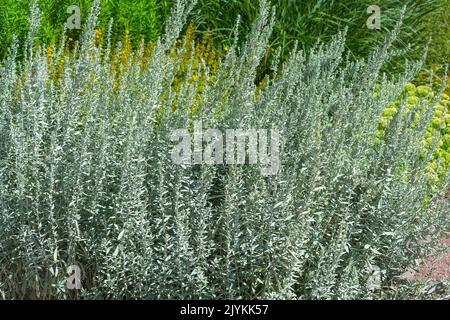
{"points": [[305, 21]]}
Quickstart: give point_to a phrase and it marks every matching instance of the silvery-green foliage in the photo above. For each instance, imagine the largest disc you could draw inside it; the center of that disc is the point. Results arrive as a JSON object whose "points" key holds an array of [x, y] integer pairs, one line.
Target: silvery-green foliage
{"points": [[86, 176]]}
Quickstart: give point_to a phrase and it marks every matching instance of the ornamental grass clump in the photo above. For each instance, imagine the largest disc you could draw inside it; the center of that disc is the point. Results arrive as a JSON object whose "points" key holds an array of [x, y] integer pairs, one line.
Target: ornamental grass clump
{"points": [[87, 179]]}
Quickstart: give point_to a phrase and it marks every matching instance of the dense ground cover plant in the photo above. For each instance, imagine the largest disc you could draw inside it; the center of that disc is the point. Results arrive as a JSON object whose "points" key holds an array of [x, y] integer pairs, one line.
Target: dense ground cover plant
{"points": [[86, 176]]}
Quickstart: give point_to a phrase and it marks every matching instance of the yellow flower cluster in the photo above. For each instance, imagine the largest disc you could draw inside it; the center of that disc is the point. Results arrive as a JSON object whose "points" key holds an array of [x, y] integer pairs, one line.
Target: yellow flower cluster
{"points": [[199, 48], [49, 53]]}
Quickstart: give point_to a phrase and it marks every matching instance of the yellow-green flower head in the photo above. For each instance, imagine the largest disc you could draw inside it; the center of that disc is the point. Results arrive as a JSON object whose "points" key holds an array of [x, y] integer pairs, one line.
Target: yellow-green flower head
{"points": [[446, 103], [440, 107], [447, 119], [410, 87], [389, 112], [436, 123], [423, 91], [413, 100], [383, 123]]}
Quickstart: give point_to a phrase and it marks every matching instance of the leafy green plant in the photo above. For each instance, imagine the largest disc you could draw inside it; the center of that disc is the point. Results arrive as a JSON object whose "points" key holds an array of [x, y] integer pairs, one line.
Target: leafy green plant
{"points": [[307, 22], [437, 26], [141, 18], [86, 176]]}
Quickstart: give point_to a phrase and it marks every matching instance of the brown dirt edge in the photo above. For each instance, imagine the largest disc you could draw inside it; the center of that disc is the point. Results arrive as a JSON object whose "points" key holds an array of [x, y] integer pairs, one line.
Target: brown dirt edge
{"points": [[435, 267]]}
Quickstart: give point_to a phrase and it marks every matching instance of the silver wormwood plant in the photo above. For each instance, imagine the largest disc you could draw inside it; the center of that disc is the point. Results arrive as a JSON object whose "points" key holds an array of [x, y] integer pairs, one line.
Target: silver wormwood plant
{"points": [[87, 179]]}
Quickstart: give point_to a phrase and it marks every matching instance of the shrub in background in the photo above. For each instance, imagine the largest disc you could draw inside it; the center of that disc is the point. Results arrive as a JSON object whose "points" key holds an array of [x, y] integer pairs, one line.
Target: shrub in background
{"points": [[438, 134], [86, 176], [307, 22], [141, 18], [437, 26]]}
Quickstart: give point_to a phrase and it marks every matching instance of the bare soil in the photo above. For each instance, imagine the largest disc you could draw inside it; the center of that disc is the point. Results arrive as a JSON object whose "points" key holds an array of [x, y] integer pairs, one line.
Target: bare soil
{"points": [[436, 267]]}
